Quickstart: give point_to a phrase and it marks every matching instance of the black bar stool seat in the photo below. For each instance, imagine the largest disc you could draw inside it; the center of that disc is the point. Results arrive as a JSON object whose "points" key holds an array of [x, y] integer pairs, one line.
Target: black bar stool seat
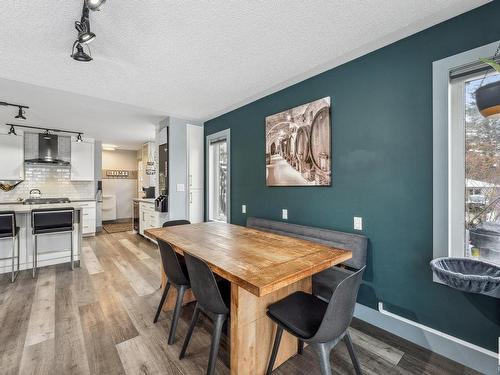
{"points": [[9, 230], [51, 221], [9, 234]]}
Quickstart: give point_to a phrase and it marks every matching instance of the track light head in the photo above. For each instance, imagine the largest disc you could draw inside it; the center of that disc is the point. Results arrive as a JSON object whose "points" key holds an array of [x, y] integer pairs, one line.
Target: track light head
{"points": [[84, 34], [12, 130], [20, 113], [95, 4], [46, 135], [79, 54], [79, 137]]}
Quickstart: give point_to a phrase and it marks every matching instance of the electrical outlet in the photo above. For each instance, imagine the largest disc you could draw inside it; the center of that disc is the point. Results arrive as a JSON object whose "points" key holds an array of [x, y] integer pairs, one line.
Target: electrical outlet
{"points": [[243, 208], [284, 214], [358, 223]]}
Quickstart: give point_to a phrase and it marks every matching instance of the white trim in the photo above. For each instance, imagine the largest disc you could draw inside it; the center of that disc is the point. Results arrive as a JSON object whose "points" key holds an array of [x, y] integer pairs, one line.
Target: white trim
{"points": [[223, 134], [451, 347]]}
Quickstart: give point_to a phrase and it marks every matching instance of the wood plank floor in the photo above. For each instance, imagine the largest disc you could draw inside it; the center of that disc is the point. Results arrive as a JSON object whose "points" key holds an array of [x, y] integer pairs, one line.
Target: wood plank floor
{"points": [[98, 319]]}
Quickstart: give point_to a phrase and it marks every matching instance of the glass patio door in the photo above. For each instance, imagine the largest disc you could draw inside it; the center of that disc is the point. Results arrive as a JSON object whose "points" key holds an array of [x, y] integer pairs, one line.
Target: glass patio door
{"points": [[218, 177]]}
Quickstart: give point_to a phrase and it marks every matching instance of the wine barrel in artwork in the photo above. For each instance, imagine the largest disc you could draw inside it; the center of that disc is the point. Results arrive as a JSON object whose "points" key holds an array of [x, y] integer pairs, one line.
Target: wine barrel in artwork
{"points": [[302, 147], [320, 143]]}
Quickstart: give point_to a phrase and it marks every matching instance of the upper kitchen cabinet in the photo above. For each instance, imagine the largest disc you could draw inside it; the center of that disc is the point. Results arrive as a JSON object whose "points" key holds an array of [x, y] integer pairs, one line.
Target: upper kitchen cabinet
{"points": [[82, 161], [12, 165]]}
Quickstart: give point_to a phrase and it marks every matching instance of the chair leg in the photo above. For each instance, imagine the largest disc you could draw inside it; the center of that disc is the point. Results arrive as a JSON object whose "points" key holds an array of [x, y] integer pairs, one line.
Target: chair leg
{"points": [[13, 275], [177, 313], [352, 354], [35, 251], [274, 353], [162, 302], [301, 347], [72, 255], [214, 347], [194, 320], [324, 358]]}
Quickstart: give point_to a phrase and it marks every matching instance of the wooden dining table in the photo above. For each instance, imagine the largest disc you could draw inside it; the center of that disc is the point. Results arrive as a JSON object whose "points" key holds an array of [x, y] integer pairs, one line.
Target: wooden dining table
{"points": [[263, 268]]}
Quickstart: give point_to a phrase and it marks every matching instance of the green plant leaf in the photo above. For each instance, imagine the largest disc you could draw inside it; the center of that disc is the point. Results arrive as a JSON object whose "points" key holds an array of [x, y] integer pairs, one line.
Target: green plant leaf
{"points": [[491, 63]]}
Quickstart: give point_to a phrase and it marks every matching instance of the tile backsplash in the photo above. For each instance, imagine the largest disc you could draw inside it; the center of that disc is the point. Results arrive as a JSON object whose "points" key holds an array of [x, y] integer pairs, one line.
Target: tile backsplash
{"points": [[53, 181]]}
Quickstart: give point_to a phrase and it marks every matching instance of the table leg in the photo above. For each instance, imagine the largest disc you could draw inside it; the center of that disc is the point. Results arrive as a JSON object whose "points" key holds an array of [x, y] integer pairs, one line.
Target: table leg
{"points": [[252, 332]]}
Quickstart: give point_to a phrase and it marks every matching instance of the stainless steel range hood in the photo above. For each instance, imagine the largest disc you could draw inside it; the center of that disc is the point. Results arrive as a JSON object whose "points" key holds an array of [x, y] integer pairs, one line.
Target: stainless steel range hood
{"points": [[48, 151]]}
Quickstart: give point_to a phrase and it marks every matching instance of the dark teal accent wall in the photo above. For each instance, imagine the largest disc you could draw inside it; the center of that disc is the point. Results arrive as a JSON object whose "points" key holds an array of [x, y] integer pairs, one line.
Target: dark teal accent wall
{"points": [[382, 171]]}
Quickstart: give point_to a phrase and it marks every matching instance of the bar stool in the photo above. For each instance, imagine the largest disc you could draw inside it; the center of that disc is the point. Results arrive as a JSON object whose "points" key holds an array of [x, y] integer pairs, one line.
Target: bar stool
{"points": [[9, 230], [51, 221]]}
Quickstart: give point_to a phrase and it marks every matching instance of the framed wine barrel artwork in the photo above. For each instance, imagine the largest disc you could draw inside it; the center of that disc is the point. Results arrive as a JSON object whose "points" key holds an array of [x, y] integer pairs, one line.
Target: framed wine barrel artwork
{"points": [[299, 146]]}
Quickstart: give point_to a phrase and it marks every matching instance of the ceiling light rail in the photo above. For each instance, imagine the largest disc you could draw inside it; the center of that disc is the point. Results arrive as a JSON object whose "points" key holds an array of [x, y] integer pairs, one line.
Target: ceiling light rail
{"points": [[21, 112], [12, 130]]}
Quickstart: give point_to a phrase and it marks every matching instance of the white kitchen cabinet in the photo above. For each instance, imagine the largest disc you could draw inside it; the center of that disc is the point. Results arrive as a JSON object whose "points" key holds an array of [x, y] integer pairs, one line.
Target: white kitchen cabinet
{"points": [[12, 165], [149, 218], [196, 206], [82, 161], [195, 164], [88, 218]]}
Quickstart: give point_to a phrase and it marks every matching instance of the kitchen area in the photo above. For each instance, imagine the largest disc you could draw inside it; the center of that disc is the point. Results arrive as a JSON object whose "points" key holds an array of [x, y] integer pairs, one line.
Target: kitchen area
{"points": [[47, 170], [53, 169]]}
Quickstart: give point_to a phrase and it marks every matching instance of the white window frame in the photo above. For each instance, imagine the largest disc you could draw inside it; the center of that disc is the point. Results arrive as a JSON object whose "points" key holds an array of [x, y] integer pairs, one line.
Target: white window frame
{"points": [[449, 153]]}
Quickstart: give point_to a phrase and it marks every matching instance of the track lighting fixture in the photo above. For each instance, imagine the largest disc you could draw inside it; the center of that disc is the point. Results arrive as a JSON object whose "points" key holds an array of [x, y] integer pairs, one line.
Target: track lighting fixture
{"points": [[20, 114], [47, 132], [85, 36], [21, 108], [79, 55]]}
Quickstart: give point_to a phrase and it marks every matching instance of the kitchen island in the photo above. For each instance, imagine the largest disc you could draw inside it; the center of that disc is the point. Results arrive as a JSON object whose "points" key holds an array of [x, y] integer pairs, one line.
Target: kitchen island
{"points": [[52, 248]]}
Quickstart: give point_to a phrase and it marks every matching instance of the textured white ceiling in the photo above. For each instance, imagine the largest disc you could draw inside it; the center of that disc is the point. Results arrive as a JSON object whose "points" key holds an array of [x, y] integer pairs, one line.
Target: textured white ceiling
{"points": [[199, 58], [123, 125]]}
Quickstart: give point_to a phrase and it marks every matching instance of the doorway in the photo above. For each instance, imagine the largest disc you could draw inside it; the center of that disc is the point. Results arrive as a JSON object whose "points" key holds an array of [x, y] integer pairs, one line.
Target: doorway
{"points": [[219, 176]]}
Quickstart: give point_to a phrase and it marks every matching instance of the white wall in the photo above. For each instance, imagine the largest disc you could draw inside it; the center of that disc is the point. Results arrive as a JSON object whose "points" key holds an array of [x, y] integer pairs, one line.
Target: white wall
{"points": [[124, 189]]}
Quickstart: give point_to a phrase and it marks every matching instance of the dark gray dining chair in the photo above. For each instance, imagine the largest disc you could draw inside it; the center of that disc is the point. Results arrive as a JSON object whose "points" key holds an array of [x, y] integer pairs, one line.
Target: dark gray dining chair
{"points": [[177, 277], [211, 300], [320, 324]]}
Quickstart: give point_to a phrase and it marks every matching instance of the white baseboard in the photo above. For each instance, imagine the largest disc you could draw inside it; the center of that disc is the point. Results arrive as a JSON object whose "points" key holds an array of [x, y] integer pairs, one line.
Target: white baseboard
{"points": [[470, 355]]}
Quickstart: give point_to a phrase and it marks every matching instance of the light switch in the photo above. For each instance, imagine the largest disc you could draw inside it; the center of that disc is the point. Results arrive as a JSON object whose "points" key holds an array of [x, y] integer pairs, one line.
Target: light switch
{"points": [[284, 214], [181, 187], [358, 223], [243, 208]]}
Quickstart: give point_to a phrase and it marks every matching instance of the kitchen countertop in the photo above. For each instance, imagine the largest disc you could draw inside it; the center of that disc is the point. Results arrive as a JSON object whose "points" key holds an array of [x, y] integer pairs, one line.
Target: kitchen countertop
{"points": [[27, 208], [145, 200], [71, 201]]}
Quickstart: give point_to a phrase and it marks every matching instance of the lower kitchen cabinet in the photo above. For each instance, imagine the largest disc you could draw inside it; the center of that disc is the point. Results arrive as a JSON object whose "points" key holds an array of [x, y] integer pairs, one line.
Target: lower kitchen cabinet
{"points": [[88, 218], [149, 218]]}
